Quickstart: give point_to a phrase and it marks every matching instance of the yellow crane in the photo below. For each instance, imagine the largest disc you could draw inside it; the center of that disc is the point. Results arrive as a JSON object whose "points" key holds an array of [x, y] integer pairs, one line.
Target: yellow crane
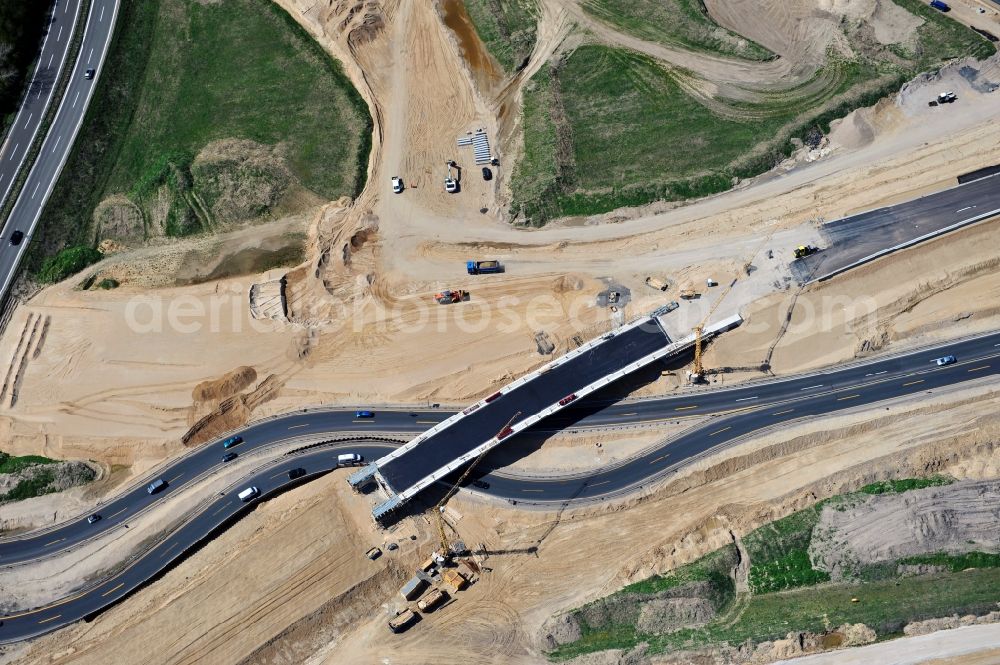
{"points": [[439, 508], [697, 373]]}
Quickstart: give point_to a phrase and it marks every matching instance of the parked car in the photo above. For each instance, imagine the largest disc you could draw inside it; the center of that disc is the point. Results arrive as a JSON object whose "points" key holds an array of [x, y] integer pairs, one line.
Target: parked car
{"points": [[946, 360], [229, 457], [364, 414], [397, 184], [93, 518], [487, 174], [16, 237], [373, 553], [232, 441]]}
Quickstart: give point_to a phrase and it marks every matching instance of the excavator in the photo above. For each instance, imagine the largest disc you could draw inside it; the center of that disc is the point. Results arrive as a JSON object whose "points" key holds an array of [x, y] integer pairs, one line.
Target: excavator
{"points": [[451, 296]]}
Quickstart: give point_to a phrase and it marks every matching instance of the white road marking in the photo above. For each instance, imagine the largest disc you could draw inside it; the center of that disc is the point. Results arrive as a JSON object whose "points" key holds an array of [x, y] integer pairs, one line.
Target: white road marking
{"points": [[36, 189], [90, 56], [29, 119], [102, 13], [746, 398], [818, 385], [58, 139], [59, 36], [965, 208], [76, 98], [17, 145], [51, 55], [882, 372]]}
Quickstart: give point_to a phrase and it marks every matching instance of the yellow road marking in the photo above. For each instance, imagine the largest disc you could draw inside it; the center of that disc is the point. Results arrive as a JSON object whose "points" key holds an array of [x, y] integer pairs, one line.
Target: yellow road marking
{"points": [[53, 542], [111, 591], [913, 383], [685, 408], [46, 608], [532, 490], [298, 426], [976, 369], [367, 420], [221, 509], [50, 619], [719, 431], [779, 413], [119, 512], [175, 478], [841, 399], [659, 458], [423, 422]]}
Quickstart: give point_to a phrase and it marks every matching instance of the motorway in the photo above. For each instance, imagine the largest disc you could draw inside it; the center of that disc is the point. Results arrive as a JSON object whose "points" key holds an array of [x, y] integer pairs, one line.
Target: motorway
{"points": [[858, 238], [740, 411], [58, 142], [48, 70]]}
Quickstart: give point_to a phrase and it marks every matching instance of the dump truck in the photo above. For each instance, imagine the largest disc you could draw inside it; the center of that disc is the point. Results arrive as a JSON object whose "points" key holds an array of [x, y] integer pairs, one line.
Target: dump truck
{"points": [[657, 283], [689, 294], [453, 579], [402, 621], [451, 296], [483, 267], [450, 181], [413, 588], [803, 251], [432, 600]]}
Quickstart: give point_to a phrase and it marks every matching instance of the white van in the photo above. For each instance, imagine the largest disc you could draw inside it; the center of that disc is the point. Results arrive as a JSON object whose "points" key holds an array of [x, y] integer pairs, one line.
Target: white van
{"points": [[248, 493], [348, 459]]}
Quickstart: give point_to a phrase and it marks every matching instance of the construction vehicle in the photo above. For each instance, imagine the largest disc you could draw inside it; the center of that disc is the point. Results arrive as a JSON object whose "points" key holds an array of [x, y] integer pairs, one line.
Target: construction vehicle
{"points": [[689, 294], [803, 251], [429, 602], [659, 284], [483, 267], [450, 181], [451, 296], [402, 620], [453, 579]]}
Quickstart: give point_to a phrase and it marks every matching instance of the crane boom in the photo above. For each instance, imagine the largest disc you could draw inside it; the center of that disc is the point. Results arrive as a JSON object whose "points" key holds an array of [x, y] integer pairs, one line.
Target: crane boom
{"points": [[439, 508]]}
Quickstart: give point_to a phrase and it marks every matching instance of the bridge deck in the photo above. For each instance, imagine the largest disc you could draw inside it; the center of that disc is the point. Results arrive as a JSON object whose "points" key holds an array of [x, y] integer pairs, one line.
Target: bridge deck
{"points": [[471, 431]]}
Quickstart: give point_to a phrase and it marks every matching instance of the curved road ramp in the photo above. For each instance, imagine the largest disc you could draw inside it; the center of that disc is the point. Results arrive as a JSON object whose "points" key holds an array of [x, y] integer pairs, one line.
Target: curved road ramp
{"points": [[457, 441]]}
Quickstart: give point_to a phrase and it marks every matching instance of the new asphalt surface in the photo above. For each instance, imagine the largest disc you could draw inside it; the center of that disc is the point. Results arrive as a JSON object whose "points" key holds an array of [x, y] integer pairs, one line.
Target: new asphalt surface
{"points": [[527, 399], [741, 410], [875, 233], [98, 31]]}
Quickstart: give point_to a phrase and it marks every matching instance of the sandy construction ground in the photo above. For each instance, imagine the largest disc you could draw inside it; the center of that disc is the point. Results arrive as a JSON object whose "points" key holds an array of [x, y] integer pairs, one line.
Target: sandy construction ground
{"points": [[362, 328], [290, 583]]}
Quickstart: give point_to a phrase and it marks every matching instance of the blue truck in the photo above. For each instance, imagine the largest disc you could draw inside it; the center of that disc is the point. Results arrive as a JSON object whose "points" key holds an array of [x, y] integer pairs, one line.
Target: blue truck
{"points": [[940, 6], [483, 267]]}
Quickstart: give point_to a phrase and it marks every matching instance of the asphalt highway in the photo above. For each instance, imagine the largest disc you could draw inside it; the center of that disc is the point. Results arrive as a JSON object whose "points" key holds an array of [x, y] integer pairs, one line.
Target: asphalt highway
{"points": [[740, 411], [55, 47], [97, 34]]}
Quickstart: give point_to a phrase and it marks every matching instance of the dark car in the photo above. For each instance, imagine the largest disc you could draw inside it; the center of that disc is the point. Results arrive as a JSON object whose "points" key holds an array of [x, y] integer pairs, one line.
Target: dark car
{"points": [[229, 457], [481, 484], [93, 518], [487, 174], [296, 473], [156, 486], [89, 74], [364, 414], [16, 237], [232, 441]]}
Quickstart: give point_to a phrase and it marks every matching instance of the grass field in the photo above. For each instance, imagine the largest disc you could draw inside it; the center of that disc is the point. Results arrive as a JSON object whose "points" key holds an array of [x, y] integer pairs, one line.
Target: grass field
{"points": [[182, 74], [14, 464], [788, 595], [607, 128], [506, 27], [683, 23]]}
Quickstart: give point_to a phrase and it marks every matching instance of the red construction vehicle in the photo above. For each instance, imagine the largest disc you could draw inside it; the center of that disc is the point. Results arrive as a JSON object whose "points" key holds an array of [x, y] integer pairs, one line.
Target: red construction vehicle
{"points": [[451, 296]]}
